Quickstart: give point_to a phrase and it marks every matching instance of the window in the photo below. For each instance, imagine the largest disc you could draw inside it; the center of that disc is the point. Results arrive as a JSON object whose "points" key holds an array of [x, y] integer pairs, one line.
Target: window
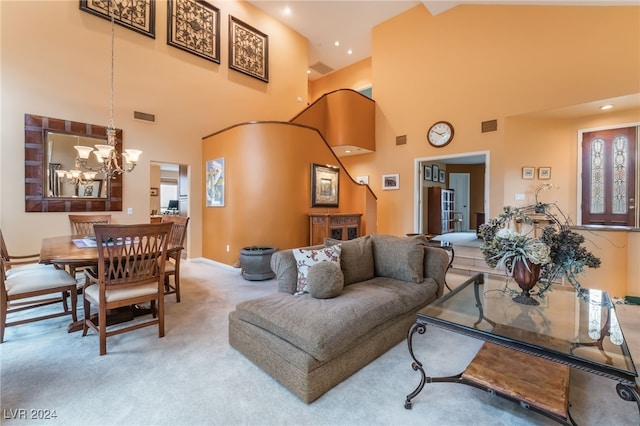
{"points": [[609, 176]]}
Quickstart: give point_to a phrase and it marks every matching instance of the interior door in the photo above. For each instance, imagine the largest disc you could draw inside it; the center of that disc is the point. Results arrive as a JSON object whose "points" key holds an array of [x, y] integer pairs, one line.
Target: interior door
{"points": [[460, 183]]}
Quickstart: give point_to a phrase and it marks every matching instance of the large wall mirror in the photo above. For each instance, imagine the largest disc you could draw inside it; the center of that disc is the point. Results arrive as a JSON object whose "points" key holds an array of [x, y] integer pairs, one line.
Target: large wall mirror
{"points": [[49, 149]]}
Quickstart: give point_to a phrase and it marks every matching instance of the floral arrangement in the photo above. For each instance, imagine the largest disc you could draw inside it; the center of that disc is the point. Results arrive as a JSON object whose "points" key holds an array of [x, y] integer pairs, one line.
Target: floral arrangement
{"points": [[558, 250]]}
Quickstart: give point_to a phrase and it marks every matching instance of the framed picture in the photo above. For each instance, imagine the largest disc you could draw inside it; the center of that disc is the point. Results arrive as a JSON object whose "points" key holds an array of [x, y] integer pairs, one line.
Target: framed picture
{"points": [[136, 15], [435, 172], [194, 26], [391, 181], [325, 185], [427, 173], [528, 172], [89, 189], [154, 192], [248, 50], [442, 176], [544, 173], [214, 185], [363, 180]]}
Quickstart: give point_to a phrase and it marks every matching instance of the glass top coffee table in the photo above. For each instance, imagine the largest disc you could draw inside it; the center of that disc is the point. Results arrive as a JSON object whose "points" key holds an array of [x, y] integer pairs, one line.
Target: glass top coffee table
{"points": [[529, 350]]}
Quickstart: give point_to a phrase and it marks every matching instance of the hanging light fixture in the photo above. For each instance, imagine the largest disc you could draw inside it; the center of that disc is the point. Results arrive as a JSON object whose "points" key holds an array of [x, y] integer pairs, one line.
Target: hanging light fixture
{"points": [[110, 161]]}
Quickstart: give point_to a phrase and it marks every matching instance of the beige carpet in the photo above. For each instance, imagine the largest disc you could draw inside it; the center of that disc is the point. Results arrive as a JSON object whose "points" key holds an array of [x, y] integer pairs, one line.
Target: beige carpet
{"points": [[193, 377]]}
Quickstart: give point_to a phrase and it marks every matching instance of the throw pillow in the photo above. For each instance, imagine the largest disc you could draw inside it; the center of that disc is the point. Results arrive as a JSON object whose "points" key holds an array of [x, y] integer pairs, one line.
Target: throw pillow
{"points": [[356, 258], [307, 258], [325, 280], [401, 258]]}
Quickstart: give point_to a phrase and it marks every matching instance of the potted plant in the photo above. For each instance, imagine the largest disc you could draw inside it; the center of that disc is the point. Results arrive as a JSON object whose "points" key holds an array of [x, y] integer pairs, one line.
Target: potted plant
{"points": [[558, 252], [255, 262]]}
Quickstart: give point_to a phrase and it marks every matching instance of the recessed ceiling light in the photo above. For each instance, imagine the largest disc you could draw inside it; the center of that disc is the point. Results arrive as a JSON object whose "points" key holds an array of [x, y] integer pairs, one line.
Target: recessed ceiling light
{"points": [[349, 52], [605, 107], [336, 43], [347, 151], [287, 10], [308, 71]]}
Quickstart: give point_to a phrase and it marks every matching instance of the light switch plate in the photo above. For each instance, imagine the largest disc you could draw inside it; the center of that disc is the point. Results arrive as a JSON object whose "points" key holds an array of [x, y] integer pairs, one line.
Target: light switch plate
{"points": [[519, 197]]}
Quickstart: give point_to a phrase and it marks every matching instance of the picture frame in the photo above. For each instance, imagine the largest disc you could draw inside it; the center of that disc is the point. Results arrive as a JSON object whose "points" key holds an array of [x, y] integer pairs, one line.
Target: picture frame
{"points": [[89, 189], [325, 186], [427, 173], [363, 180], [391, 181], [248, 50], [528, 172], [194, 26], [443, 176], [154, 192], [138, 16], [214, 182], [544, 173], [435, 172]]}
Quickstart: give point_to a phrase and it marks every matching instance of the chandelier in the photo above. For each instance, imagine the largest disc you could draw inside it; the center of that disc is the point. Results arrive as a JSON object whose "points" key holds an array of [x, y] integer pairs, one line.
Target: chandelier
{"points": [[110, 162]]}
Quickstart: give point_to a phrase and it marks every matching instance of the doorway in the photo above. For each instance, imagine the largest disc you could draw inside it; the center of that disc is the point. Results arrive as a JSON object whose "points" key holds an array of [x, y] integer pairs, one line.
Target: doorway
{"points": [[459, 182], [476, 164]]}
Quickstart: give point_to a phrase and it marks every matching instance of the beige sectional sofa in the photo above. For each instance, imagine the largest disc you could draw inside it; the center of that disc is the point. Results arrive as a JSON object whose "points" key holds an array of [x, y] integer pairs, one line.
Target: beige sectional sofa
{"points": [[311, 344]]}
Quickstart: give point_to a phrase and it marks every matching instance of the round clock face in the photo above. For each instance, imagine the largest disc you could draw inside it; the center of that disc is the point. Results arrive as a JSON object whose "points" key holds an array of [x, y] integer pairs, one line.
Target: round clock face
{"points": [[440, 134]]}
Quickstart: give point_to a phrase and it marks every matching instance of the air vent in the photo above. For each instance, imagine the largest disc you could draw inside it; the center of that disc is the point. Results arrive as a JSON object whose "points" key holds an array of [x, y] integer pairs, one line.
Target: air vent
{"points": [[144, 116], [489, 126], [401, 140], [321, 67]]}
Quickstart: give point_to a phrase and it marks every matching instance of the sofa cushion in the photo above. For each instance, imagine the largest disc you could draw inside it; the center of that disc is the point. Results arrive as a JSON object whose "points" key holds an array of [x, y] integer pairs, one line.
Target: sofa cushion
{"points": [[307, 258], [325, 280], [401, 258], [356, 258], [325, 328]]}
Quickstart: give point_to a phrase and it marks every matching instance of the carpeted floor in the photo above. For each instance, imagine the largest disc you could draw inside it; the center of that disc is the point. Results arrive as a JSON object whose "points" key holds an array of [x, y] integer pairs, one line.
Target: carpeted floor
{"points": [[466, 239], [192, 376]]}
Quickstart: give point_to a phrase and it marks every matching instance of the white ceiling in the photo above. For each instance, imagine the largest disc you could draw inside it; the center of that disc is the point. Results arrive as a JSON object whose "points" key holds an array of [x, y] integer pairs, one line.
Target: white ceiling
{"points": [[350, 22]]}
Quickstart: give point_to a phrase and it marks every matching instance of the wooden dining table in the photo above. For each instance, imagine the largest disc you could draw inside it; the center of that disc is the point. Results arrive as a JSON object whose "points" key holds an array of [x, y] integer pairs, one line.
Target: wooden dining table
{"points": [[63, 251]]}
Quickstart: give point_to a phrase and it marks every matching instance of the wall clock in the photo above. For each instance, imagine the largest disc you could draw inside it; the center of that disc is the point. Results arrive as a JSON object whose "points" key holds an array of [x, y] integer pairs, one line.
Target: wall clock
{"points": [[440, 134]]}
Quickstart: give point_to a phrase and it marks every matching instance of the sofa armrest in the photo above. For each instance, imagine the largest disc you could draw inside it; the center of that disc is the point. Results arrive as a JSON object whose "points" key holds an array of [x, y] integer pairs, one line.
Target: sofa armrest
{"points": [[284, 265], [436, 263]]}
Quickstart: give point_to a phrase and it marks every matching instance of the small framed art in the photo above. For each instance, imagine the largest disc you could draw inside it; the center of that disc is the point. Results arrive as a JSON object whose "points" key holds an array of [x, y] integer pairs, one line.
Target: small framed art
{"points": [[194, 26], [154, 192], [435, 172], [528, 172], [427, 173], [325, 186], [442, 176], [248, 50], [544, 173], [363, 180], [391, 181], [90, 189]]}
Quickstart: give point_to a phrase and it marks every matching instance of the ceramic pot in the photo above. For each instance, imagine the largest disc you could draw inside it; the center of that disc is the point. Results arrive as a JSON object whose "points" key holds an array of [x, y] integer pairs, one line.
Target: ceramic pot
{"points": [[526, 274], [255, 262]]}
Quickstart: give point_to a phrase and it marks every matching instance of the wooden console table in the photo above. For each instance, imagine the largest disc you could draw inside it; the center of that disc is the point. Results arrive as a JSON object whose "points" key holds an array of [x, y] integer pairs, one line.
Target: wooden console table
{"points": [[339, 226]]}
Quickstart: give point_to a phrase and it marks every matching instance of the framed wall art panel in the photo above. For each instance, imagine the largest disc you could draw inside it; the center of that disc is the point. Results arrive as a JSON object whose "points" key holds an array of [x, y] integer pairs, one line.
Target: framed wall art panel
{"points": [[194, 26], [528, 172], [325, 186], [427, 173], [137, 15], [391, 181], [248, 50], [214, 185]]}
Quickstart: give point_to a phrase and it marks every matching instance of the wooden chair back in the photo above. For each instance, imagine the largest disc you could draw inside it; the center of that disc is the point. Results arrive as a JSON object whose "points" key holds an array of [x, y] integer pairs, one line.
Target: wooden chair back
{"points": [[10, 260], [131, 255], [178, 230], [82, 224]]}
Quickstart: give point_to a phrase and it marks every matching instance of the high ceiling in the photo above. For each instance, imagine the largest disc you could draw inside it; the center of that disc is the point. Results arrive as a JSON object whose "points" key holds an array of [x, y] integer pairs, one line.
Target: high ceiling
{"points": [[350, 22]]}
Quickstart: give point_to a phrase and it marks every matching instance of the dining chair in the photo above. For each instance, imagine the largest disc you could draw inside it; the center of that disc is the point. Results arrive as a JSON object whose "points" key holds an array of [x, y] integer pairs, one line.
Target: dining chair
{"points": [[130, 272], [174, 253], [82, 226], [24, 284]]}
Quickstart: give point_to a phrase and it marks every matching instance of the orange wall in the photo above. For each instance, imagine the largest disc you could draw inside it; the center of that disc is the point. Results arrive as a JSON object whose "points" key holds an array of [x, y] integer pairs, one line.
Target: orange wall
{"points": [[474, 63], [356, 76], [268, 199]]}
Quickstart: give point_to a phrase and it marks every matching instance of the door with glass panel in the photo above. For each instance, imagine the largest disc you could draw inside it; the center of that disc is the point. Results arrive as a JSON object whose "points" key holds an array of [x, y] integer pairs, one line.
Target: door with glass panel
{"points": [[609, 177]]}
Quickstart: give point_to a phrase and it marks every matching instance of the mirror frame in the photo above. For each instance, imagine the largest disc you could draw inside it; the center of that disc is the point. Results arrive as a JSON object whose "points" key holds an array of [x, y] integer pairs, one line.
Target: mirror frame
{"points": [[35, 129]]}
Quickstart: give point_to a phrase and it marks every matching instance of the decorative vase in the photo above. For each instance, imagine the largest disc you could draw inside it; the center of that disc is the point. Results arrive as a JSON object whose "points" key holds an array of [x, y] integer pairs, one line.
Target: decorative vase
{"points": [[526, 274], [255, 262]]}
